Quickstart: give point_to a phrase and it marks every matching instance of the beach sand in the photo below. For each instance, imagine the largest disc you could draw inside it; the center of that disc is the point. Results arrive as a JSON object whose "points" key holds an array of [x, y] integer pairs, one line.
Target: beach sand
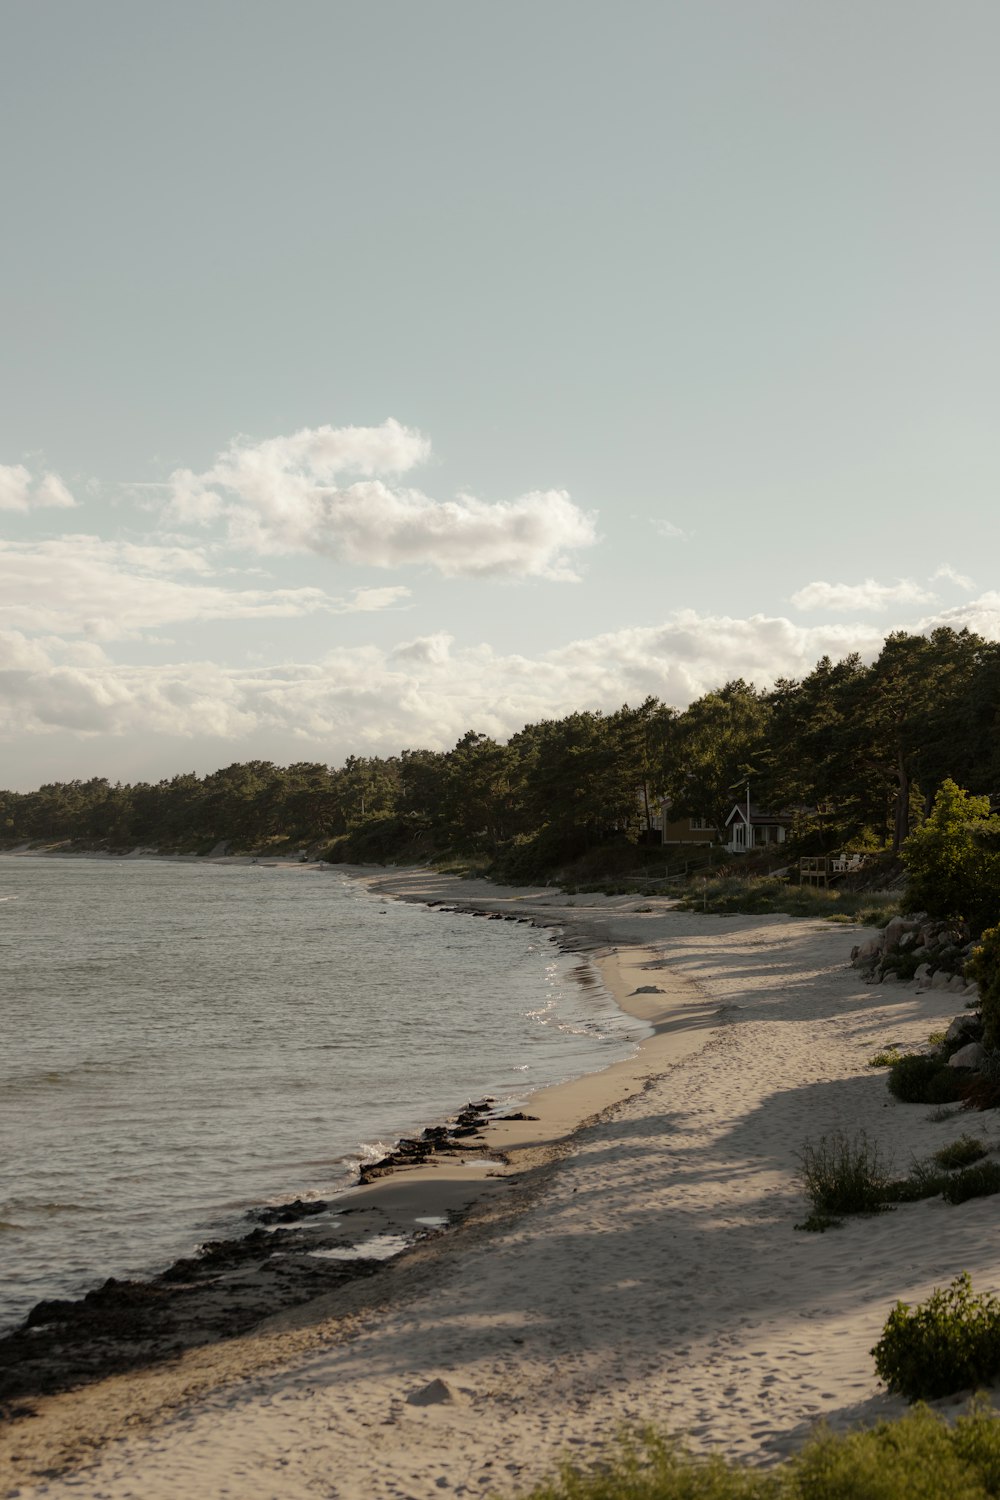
{"points": [[636, 1262]]}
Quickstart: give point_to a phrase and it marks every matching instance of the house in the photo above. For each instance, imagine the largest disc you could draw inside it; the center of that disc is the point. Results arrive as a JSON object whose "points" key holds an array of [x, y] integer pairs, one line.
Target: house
{"points": [[697, 831], [765, 828]]}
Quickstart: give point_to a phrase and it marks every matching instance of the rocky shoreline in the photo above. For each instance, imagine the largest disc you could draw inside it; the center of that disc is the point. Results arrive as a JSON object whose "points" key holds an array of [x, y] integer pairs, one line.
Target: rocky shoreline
{"points": [[296, 1251]]}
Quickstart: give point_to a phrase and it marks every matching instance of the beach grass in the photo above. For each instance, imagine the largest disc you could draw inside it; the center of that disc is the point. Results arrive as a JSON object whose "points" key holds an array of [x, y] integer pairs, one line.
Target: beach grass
{"points": [[763, 895], [920, 1456]]}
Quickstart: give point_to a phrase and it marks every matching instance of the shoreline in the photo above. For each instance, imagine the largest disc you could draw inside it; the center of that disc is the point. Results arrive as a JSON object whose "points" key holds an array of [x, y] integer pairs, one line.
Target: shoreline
{"points": [[404, 1201], [643, 1267]]}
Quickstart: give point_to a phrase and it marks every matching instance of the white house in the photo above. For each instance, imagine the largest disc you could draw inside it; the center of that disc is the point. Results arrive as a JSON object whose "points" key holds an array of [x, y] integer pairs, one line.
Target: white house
{"points": [[765, 828]]}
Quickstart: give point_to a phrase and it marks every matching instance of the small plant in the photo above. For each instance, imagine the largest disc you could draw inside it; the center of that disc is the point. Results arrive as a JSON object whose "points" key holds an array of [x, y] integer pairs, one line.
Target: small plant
{"points": [[844, 1175], [885, 1058], [919, 1079], [961, 1153], [942, 1113], [979, 1181], [936, 1038], [923, 1181], [948, 1343]]}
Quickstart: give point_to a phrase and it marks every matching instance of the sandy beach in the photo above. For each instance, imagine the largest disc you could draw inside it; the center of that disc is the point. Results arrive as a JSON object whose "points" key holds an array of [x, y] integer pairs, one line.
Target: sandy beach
{"points": [[634, 1259]]}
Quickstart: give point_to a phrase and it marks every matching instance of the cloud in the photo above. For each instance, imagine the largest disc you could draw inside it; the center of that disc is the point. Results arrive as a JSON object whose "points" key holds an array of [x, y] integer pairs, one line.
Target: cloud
{"points": [[667, 529], [425, 692], [868, 596], [19, 491], [981, 616], [947, 571], [290, 494], [82, 585]]}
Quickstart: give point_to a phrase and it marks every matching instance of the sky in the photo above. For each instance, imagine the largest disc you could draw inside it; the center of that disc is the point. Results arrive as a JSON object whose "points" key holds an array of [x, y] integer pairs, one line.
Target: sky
{"points": [[372, 372]]}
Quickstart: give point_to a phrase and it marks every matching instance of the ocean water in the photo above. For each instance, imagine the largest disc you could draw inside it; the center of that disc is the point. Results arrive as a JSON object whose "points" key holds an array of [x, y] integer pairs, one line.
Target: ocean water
{"points": [[179, 1042]]}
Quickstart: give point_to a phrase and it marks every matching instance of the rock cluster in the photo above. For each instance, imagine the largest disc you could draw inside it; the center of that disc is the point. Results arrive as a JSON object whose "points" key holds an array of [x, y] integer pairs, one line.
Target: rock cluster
{"points": [[460, 1135], [916, 947]]}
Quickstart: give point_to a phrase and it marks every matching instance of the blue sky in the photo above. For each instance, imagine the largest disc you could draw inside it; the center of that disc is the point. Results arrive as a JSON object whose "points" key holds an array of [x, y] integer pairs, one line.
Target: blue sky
{"points": [[373, 372]]}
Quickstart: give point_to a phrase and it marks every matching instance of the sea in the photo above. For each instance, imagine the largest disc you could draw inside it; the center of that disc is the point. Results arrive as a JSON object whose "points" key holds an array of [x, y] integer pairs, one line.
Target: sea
{"points": [[183, 1041]]}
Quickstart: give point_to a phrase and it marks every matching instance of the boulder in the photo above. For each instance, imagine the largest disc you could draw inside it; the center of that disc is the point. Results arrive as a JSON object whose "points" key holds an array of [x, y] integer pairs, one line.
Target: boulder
{"points": [[890, 977], [895, 930], [922, 971], [867, 954], [969, 1056], [961, 1026], [436, 1393], [971, 991], [940, 979]]}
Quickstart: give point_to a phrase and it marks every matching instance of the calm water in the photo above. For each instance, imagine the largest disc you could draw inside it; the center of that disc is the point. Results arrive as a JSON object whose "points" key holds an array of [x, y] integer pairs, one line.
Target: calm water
{"points": [[182, 1041]]}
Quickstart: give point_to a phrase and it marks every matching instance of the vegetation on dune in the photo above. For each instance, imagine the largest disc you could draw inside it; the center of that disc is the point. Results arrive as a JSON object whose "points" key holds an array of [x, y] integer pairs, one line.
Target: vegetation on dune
{"points": [[920, 1456], [949, 1343]]}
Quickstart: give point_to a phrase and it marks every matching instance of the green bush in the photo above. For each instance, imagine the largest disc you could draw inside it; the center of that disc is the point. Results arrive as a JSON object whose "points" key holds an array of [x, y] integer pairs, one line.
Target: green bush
{"points": [[918, 1457], [920, 1079], [953, 860], [885, 1058], [984, 968], [979, 1181], [950, 1342], [923, 1181], [844, 1175], [961, 1153]]}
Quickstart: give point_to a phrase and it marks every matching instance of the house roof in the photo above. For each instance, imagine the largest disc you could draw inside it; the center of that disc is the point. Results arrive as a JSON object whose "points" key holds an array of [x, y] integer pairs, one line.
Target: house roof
{"points": [[757, 815]]}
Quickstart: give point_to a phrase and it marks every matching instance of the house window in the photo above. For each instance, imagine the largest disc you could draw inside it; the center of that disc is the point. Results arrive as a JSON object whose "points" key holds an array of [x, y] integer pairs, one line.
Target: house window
{"points": [[700, 825]]}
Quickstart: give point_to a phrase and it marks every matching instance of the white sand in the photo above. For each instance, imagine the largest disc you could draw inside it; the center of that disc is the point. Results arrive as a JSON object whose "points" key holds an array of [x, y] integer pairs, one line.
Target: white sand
{"points": [[651, 1271]]}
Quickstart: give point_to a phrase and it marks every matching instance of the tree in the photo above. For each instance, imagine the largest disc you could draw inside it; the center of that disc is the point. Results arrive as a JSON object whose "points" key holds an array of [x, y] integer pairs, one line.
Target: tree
{"points": [[714, 742], [953, 860]]}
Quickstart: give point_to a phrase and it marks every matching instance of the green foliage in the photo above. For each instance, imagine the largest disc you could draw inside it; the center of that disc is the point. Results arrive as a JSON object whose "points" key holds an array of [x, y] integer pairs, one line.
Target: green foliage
{"points": [[947, 1344], [961, 1153], [920, 1456], [984, 968], [919, 1079], [851, 744], [653, 1467], [980, 1181], [759, 895], [953, 860], [844, 1174], [885, 1058], [923, 1181]]}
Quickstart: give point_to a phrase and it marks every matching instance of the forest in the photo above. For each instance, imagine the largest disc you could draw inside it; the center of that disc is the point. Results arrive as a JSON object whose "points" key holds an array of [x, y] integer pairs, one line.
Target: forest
{"points": [[856, 751]]}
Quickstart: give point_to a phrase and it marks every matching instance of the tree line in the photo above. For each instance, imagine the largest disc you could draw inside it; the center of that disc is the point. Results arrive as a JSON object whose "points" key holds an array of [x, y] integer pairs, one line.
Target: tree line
{"points": [[857, 750]]}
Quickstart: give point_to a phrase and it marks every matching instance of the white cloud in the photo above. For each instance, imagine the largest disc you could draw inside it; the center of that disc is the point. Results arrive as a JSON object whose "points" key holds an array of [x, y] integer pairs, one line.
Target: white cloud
{"points": [[961, 579], [982, 616], [425, 692], [289, 494], [20, 491], [81, 585], [868, 596], [667, 529]]}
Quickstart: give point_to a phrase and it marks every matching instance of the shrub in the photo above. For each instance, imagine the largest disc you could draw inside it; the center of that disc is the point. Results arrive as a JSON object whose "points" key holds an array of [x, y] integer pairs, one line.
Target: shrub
{"points": [[948, 1343], [844, 1175], [924, 1181], [979, 1181], [961, 1153], [953, 860], [984, 968], [918, 1457], [885, 1058], [920, 1079]]}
